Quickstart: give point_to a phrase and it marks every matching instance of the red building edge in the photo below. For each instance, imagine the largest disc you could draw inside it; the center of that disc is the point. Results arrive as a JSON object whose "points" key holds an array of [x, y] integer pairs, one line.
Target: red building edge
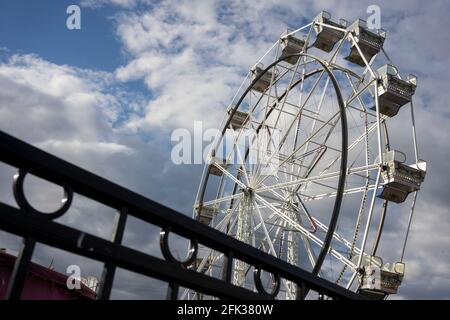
{"points": [[41, 283]]}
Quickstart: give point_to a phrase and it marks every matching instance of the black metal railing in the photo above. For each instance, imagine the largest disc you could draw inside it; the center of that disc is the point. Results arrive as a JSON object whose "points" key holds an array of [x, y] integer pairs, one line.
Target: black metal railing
{"points": [[35, 226]]}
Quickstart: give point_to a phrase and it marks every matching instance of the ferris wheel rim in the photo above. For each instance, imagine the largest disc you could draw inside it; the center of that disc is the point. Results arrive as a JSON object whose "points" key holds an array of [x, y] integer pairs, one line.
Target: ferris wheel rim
{"points": [[281, 187], [344, 143]]}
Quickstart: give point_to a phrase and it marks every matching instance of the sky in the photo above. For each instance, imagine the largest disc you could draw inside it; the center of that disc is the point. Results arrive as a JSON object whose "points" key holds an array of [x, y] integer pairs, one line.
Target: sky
{"points": [[108, 96]]}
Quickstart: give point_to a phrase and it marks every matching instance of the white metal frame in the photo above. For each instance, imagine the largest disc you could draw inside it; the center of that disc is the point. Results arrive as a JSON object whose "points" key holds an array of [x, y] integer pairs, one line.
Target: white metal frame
{"points": [[270, 215]]}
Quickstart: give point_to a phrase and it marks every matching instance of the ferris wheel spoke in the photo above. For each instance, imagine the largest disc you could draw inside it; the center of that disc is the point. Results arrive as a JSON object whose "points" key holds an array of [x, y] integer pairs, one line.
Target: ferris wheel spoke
{"points": [[355, 143], [272, 107], [298, 148], [320, 225], [297, 115], [271, 216], [267, 238], [316, 178], [242, 163], [336, 235], [223, 199], [357, 94], [264, 227], [310, 251], [289, 89], [308, 113], [319, 107], [323, 145], [230, 176], [285, 95], [293, 224], [346, 192]]}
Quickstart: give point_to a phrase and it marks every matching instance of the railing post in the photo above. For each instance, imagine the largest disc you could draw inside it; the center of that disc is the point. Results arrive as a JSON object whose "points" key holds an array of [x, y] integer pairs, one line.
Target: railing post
{"points": [[172, 291], [20, 271], [301, 291], [109, 269], [227, 272]]}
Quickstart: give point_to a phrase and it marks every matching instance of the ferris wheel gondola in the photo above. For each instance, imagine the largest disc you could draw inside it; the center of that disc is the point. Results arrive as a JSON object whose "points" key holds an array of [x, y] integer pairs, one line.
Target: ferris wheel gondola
{"points": [[304, 164]]}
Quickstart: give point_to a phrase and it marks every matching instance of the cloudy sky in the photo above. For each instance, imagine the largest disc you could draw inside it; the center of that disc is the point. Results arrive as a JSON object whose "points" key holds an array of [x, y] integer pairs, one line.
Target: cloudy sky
{"points": [[108, 96]]}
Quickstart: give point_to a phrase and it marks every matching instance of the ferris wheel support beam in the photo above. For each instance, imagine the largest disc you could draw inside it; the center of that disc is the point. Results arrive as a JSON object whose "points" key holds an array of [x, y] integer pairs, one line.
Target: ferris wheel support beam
{"points": [[216, 255], [336, 235], [346, 192], [266, 233], [300, 109], [416, 151], [293, 114], [366, 231], [353, 145], [372, 203], [277, 232], [357, 95], [242, 234], [224, 199], [323, 227], [229, 175], [355, 43], [318, 177], [308, 234], [298, 148], [416, 154], [313, 123], [299, 29]]}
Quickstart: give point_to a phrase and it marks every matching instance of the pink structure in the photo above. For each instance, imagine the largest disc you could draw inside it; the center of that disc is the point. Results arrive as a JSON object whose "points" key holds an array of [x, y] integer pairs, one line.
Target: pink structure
{"points": [[41, 283]]}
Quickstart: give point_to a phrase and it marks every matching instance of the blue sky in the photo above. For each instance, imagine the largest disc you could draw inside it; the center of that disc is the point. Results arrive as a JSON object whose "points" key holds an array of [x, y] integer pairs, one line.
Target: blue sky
{"points": [[112, 93], [39, 27]]}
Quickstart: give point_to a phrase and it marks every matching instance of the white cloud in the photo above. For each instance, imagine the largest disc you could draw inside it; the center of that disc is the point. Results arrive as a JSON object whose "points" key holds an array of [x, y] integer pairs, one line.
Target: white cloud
{"points": [[76, 146], [72, 105], [192, 55], [191, 62], [70, 112], [101, 3]]}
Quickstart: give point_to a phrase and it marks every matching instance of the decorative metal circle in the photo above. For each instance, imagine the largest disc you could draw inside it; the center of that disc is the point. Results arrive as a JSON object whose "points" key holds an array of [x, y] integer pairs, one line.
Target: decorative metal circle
{"points": [[259, 286], [19, 195], [165, 249]]}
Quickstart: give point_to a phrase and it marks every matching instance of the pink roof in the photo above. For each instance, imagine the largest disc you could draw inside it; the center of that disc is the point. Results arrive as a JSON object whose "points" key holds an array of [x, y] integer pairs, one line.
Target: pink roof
{"points": [[42, 283]]}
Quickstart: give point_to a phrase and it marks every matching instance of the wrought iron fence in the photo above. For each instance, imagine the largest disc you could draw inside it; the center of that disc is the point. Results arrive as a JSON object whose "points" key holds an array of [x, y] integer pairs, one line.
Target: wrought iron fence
{"points": [[35, 226]]}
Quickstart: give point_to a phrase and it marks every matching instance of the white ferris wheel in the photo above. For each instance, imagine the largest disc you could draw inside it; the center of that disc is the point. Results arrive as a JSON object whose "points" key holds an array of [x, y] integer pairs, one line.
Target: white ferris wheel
{"points": [[305, 168]]}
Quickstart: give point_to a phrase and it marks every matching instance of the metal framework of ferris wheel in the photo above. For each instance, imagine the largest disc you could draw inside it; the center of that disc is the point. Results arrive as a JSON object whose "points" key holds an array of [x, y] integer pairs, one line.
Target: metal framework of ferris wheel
{"points": [[304, 168]]}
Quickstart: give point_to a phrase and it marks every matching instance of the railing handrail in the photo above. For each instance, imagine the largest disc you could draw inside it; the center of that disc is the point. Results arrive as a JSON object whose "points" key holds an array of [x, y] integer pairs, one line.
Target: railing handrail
{"points": [[49, 167]]}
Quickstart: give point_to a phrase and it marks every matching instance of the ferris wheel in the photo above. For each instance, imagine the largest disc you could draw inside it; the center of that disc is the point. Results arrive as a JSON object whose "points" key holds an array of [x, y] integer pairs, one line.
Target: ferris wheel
{"points": [[304, 168]]}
